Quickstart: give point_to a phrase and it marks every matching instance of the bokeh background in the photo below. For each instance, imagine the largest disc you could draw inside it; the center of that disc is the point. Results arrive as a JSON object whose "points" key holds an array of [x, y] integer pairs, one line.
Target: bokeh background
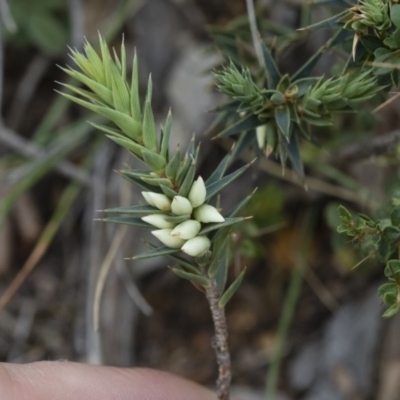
{"points": [[303, 315]]}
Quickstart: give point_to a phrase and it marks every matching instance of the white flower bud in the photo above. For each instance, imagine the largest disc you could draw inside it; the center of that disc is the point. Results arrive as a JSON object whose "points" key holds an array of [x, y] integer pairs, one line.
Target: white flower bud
{"points": [[207, 213], [164, 236], [158, 200], [197, 194], [261, 132], [196, 246], [187, 230], [181, 206], [158, 220]]}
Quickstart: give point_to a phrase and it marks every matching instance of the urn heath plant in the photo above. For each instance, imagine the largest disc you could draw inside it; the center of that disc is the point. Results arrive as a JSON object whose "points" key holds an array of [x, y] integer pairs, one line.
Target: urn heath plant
{"points": [[176, 207]]}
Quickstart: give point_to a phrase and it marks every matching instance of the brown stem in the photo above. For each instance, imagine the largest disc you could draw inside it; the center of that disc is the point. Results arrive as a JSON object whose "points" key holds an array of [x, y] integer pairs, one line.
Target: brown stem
{"points": [[220, 343]]}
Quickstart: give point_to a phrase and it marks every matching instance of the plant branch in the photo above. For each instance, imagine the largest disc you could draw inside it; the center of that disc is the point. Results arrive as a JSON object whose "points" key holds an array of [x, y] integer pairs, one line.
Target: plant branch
{"points": [[378, 145], [220, 343], [254, 32]]}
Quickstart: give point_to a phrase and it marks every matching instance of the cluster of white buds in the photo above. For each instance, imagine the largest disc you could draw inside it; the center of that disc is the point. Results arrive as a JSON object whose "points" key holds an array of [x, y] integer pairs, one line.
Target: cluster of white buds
{"points": [[182, 219]]}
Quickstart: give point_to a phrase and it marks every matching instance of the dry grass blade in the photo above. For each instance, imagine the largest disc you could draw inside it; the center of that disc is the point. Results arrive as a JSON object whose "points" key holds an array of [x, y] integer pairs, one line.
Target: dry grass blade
{"points": [[43, 243]]}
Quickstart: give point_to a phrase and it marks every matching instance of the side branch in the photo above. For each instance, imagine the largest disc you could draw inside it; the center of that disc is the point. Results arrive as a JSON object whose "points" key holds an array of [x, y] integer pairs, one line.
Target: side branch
{"points": [[220, 343]]}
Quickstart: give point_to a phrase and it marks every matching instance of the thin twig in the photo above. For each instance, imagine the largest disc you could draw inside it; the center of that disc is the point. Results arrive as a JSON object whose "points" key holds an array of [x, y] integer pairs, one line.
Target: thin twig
{"points": [[76, 15], [220, 343], [104, 270], [254, 32], [14, 141]]}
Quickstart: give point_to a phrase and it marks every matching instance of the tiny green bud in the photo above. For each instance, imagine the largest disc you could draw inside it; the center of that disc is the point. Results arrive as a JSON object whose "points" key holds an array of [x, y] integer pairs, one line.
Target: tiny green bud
{"points": [[187, 230], [207, 213], [197, 194], [196, 246], [181, 206], [158, 221], [164, 236], [158, 200]]}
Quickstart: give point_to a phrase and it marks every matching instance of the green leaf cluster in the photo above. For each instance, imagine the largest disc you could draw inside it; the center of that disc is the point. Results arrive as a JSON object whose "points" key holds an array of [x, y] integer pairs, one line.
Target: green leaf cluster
{"points": [[384, 235], [375, 28], [284, 108], [177, 202]]}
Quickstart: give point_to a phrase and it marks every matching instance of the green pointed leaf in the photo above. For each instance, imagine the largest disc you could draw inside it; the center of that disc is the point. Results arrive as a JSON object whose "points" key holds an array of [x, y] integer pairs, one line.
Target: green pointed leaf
{"points": [[388, 293], [245, 141], [156, 181], [110, 131], [127, 144], [218, 257], [149, 127], [220, 170], [188, 179], [138, 182], [392, 268], [243, 125], [141, 209], [221, 274], [135, 102], [185, 163], [231, 290], [166, 132], [103, 92], [228, 222], [391, 311], [294, 155], [185, 264], [121, 96], [272, 71], [282, 118], [173, 165], [216, 187], [177, 219], [168, 191], [157, 252], [197, 279], [130, 127], [240, 206], [123, 60], [84, 93], [153, 160], [127, 221], [95, 63]]}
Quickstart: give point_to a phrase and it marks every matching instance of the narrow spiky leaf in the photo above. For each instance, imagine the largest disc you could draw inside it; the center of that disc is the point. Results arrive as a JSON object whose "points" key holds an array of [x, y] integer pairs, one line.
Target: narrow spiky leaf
{"points": [[220, 170], [127, 221], [272, 71], [216, 187], [153, 160], [197, 279], [135, 102], [243, 125], [218, 257], [134, 210], [149, 126], [173, 165], [282, 118], [228, 221], [157, 252], [166, 135], [231, 290]]}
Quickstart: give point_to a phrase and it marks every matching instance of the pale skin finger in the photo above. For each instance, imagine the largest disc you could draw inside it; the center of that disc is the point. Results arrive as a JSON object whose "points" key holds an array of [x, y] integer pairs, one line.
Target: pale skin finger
{"points": [[51, 380]]}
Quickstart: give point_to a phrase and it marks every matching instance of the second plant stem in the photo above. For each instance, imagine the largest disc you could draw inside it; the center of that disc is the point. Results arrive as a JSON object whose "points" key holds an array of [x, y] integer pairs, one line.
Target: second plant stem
{"points": [[220, 343]]}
